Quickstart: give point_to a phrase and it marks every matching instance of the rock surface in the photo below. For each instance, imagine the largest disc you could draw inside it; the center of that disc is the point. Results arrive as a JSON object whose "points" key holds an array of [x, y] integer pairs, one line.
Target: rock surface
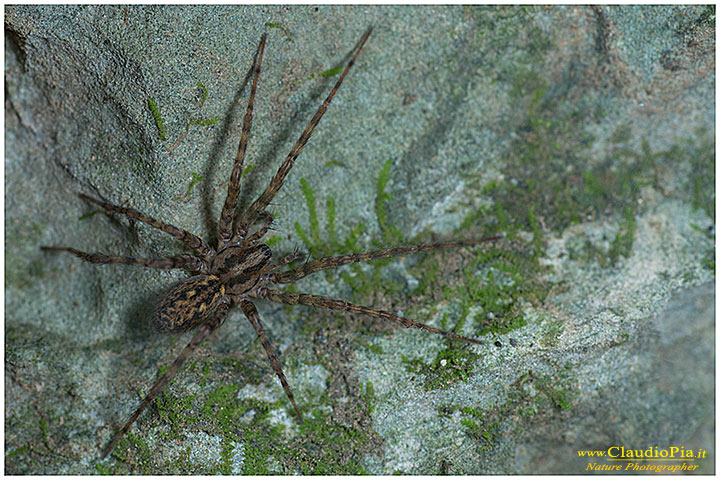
{"points": [[599, 121]]}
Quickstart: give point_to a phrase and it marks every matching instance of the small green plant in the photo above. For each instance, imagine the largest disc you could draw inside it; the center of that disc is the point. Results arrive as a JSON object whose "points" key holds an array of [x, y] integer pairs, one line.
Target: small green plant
{"points": [[158, 118], [195, 179], [282, 28], [331, 72], [390, 234], [198, 121]]}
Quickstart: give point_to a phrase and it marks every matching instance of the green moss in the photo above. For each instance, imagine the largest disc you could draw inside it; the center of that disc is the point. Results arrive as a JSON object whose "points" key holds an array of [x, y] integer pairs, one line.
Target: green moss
{"points": [[247, 170], [314, 244], [198, 121], [220, 398], [175, 411], [549, 176], [332, 72], [361, 279], [390, 234], [335, 163], [529, 396], [709, 258], [158, 118], [134, 446], [542, 168], [43, 429], [195, 179], [376, 349], [452, 364], [554, 392], [505, 30], [322, 446], [551, 334], [369, 397], [273, 240], [699, 152], [429, 275], [623, 241], [105, 469], [496, 285], [323, 245], [91, 214], [584, 249], [330, 448], [18, 451], [485, 436], [282, 28], [203, 93]]}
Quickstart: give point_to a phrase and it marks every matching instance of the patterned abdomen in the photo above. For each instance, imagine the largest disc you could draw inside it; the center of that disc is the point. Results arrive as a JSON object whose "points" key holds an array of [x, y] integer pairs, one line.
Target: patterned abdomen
{"points": [[188, 304]]}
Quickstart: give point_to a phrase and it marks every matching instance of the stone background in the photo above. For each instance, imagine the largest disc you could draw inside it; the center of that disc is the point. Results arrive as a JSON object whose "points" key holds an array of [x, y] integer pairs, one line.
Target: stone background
{"points": [[451, 96]]}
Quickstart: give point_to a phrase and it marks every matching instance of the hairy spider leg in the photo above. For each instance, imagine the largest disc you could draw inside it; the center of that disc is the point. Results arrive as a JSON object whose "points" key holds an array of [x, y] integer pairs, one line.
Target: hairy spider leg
{"points": [[259, 205], [215, 321], [267, 220], [189, 239], [251, 313], [297, 255], [331, 262], [292, 298], [229, 208], [165, 263]]}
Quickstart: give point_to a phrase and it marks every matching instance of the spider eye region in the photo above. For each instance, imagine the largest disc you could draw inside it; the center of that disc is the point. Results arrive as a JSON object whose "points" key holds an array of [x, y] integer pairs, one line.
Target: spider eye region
{"points": [[188, 304]]}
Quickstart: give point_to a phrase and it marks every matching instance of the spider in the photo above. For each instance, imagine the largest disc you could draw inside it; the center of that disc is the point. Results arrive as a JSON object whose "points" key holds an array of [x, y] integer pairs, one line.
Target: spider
{"points": [[240, 267]]}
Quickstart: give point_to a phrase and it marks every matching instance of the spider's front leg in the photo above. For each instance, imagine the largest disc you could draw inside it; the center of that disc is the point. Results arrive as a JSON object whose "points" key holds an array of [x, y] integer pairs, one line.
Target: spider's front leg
{"points": [[258, 206], [191, 262], [229, 208], [189, 239], [267, 220]]}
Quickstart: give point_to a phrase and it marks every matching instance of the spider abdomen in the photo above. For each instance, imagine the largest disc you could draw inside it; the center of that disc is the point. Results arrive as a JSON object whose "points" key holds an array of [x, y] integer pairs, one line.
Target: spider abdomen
{"points": [[188, 303]]}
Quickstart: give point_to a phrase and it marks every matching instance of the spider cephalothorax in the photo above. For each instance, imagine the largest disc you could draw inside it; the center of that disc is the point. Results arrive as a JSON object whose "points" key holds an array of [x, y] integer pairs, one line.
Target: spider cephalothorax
{"points": [[240, 267]]}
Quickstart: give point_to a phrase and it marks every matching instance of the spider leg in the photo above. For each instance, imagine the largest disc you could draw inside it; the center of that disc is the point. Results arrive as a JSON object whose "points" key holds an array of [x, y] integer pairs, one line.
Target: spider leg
{"points": [[251, 313], [284, 261], [216, 320], [228, 211], [249, 216], [267, 222], [166, 263], [330, 262], [292, 298], [192, 241]]}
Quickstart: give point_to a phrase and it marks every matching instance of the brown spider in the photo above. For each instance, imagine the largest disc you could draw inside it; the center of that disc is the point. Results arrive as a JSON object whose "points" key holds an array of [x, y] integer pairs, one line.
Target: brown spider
{"points": [[240, 266]]}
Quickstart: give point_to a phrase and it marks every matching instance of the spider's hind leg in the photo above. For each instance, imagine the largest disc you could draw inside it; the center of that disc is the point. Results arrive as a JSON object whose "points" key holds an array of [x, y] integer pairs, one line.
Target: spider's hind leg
{"points": [[251, 313], [216, 320], [292, 298]]}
